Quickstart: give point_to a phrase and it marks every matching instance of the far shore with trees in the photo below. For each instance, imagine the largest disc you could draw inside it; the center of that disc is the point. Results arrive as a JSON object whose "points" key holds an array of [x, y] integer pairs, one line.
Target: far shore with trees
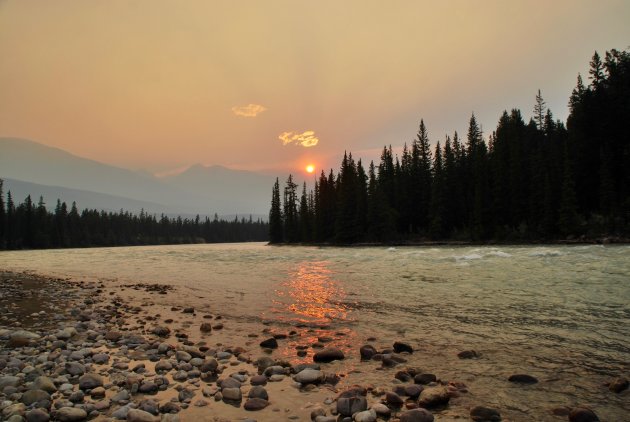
{"points": [[531, 182]]}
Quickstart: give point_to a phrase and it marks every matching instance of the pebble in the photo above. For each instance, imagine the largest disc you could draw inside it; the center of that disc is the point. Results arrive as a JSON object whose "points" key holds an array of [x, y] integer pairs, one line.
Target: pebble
{"points": [[581, 414], [254, 404], [70, 414]]}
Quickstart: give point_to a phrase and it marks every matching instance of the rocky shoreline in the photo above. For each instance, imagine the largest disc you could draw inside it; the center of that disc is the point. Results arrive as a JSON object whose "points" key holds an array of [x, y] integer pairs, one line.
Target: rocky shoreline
{"points": [[73, 351]]}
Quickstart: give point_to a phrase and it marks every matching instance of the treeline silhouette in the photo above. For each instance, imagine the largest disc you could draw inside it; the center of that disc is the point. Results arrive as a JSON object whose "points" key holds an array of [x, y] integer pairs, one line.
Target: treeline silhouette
{"points": [[32, 226], [532, 181]]}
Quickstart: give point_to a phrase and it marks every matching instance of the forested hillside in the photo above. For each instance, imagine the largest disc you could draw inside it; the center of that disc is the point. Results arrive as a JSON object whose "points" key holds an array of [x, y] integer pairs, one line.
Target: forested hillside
{"points": [[535, 180]]}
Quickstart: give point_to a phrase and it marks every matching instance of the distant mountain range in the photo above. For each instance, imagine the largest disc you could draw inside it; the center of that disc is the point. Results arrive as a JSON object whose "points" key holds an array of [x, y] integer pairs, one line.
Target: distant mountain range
{"points": [[30, 168]]}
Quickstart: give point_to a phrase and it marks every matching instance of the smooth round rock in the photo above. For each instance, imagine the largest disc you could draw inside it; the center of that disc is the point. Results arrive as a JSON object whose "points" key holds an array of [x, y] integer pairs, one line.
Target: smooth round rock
{"points": [[581, 414], [258, 392], [255, 404], [416, 415], [309, 376], [70, 414], [328, 355], [137, 415], [522, 379], [484, 414]]}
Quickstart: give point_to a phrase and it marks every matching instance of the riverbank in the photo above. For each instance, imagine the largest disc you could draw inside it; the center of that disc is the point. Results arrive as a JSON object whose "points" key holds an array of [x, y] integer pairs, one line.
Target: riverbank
{"points": [[103, 350]]}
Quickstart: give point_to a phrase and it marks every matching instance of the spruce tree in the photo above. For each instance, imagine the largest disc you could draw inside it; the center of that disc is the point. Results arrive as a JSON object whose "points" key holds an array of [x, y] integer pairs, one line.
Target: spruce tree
{"points": [[275, 216]]}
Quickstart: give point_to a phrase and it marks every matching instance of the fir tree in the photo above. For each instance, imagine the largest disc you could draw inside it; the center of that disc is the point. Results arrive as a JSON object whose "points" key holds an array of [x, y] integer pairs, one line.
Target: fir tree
{"points": [[275, 216]]}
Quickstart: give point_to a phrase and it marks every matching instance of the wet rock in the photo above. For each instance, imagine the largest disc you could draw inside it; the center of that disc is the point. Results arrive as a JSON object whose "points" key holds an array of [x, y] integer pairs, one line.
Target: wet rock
{"points": [[348, 406], [309, 376], [90, 381], [522, 379], [258, 392], [618, 385], [424, 379], [270, 343], [137, 415], [367, 352], [255, 404], [467, 354], [416, 415], [328, 355], [484, 414], [70, 414], [44, 383], [581, 414], [205, 327], [232, 394], [37, 415], [432, 397], [400, 347]]}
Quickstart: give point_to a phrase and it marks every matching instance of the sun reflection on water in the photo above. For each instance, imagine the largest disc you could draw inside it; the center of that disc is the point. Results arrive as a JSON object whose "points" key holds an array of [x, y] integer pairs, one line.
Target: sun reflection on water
{"points": [[310, 294]]}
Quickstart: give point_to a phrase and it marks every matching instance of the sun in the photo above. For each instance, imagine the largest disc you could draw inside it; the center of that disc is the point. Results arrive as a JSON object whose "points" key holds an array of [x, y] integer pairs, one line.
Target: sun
{"points": [[310, 168]]}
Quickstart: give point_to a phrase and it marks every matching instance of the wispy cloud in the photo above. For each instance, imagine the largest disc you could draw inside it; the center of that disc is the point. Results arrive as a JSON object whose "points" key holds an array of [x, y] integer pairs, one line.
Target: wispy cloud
{"points": [[306, 139], [249, 110]]}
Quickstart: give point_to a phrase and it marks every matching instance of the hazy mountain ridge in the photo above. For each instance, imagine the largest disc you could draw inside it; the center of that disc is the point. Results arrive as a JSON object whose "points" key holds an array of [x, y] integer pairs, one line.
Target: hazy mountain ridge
{"points": [[198, 190]]}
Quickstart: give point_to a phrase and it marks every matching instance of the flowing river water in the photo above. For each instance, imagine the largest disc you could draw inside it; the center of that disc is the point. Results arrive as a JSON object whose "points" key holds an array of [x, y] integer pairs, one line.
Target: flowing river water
{"points": [[559, 313]]}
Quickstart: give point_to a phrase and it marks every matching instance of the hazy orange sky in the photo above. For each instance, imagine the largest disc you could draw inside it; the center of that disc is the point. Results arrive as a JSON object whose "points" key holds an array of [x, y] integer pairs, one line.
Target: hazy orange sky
{"points": [[158, 85]]}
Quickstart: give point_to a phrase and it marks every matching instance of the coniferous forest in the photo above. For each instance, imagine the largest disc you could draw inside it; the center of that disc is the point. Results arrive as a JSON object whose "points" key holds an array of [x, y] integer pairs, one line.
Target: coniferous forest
{"points": [[32, 226], [532, 181]]}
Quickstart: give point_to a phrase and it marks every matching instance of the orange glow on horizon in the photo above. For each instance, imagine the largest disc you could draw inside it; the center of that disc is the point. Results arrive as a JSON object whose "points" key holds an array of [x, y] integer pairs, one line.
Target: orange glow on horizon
{"points": [[310, 168]]}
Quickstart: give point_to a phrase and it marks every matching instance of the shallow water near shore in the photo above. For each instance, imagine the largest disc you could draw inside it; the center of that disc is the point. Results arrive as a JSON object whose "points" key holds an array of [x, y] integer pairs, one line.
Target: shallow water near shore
{"points": [[559, 313]]}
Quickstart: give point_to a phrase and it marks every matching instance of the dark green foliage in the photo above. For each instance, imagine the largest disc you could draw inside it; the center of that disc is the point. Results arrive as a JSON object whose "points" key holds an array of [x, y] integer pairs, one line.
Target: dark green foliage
{"points": [[275, 216], [30, 226], [532, 181]]}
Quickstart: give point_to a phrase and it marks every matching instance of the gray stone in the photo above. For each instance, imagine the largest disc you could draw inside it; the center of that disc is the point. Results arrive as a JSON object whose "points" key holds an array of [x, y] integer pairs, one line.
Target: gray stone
{"points": [[70, 414], [14, 409], [484, 414], [230, 383], [121, 412], [416, 415], [424, 379], [328, 355], [90, 381], [258, 392], [100, 358], [9, 381], [309, 376], [37, 415], [523, 379], [137, 415], [434, 397], [258, 380], [255, 404], [365, 416], [233, 394], [75, 368], [34, 396], [382, 410], [348, 406], [180, 355], [44, 383], [581, 414], [163, 366]]}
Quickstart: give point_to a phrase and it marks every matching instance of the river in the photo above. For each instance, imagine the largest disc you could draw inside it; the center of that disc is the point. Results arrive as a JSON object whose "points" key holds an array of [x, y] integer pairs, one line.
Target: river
{"points": [[559, 313]]}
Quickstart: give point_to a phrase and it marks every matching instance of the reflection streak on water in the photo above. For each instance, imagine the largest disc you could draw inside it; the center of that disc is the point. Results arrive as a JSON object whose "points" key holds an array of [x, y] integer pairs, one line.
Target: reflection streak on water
{"points": [[310, 294]]}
